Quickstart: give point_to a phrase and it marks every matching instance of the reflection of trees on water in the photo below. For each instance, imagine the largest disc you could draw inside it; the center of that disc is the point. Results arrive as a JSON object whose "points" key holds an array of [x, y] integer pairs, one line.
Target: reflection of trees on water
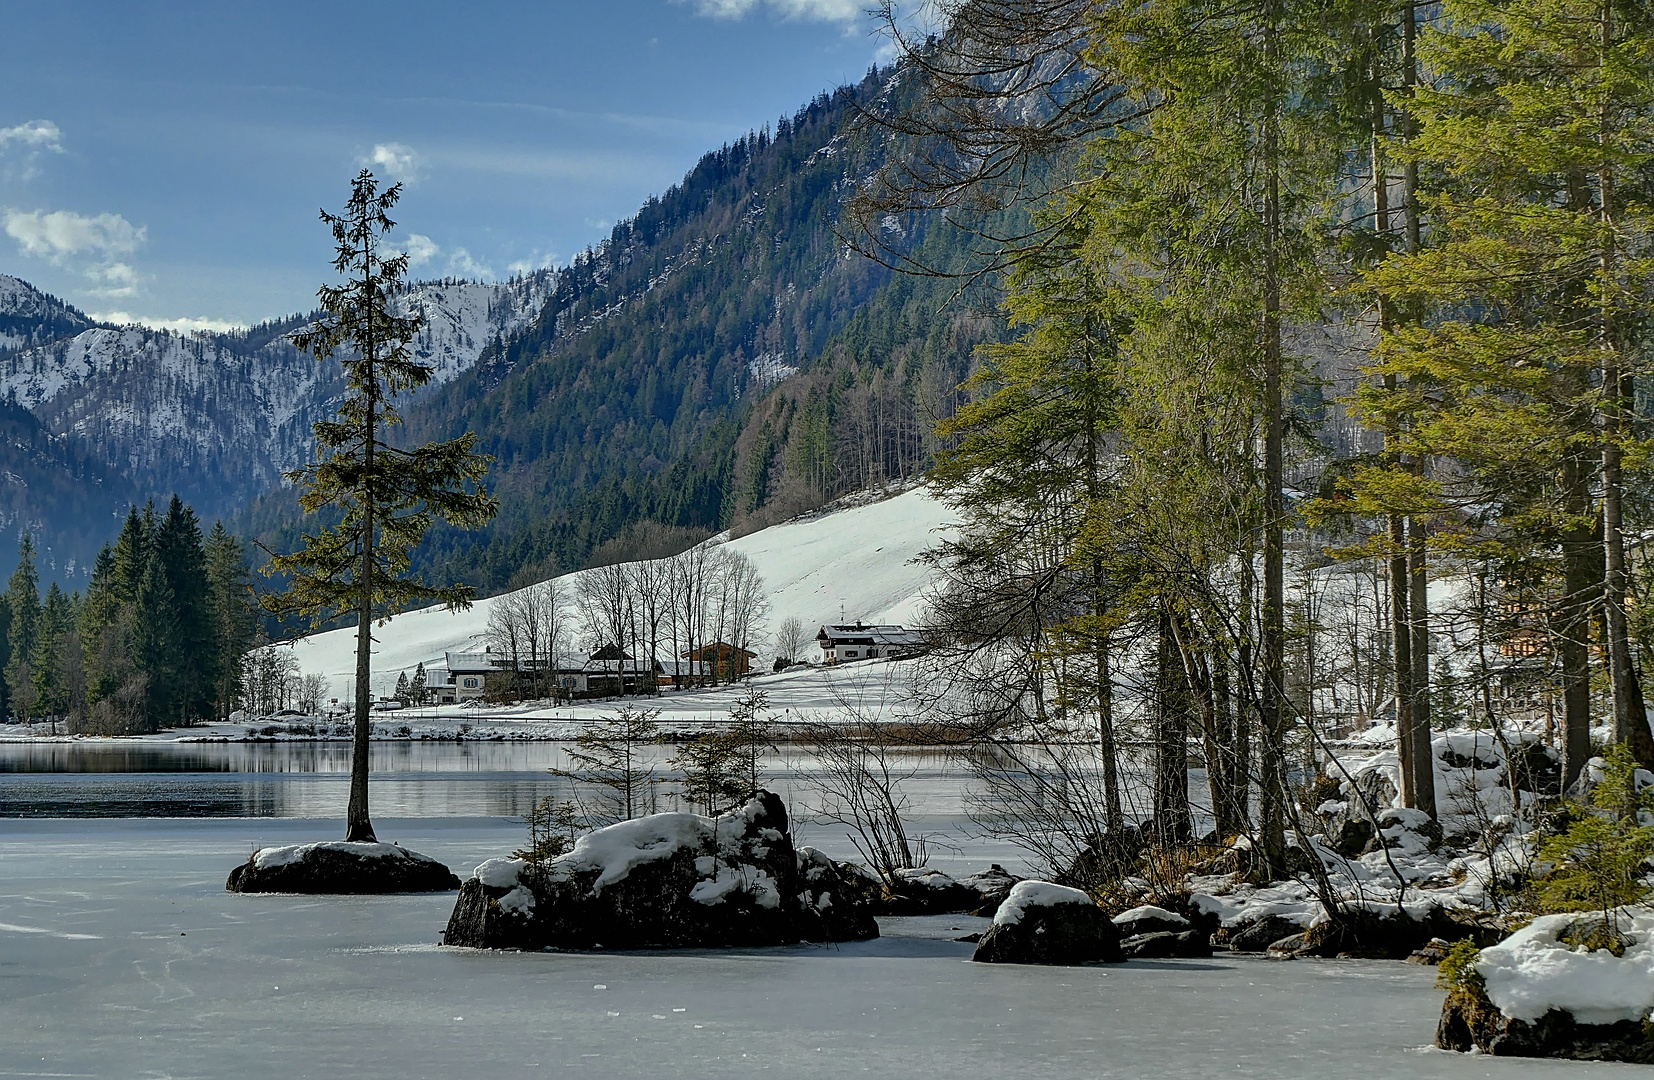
{"points": [[308, 779]]}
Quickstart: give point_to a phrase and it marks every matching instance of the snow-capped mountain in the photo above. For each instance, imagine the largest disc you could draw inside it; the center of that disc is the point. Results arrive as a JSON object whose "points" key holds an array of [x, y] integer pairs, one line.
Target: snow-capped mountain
{"points": [[219, 417], [31, 317]]}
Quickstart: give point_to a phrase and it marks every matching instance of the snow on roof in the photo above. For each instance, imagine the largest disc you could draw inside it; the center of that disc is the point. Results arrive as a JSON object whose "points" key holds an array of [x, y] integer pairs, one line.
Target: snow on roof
{"points": [[862, 634]]}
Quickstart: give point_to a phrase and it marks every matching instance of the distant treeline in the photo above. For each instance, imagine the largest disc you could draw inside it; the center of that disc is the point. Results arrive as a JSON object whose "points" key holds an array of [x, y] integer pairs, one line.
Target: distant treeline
{"points": [[158, 639]]}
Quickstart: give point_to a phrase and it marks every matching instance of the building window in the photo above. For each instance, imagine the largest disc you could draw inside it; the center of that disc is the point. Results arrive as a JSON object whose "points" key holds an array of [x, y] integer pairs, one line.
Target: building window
{"points": [[470, 684]]}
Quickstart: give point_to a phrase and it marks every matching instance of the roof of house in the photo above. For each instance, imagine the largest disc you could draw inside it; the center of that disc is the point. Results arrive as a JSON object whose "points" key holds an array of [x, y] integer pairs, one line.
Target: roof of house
{"points": [[833, 635], [719, 648], [470, 662]]}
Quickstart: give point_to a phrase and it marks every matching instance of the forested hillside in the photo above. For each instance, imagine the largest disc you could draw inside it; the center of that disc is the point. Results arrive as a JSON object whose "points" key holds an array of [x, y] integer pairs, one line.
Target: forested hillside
{"points": [[723, 358]]}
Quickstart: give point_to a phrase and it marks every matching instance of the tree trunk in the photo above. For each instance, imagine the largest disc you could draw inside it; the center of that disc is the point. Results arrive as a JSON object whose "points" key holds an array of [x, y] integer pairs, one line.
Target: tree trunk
{"points": [[1197, 672], [1272, 797], [1402, 650], [1630, 712], [1575, 619], [1423, 761], [1172, 824], [1232, 817], [358, 826]]}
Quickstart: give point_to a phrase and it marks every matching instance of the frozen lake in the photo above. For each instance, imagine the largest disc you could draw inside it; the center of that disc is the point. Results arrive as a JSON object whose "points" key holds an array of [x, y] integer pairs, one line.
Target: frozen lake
{"points": [[121, 955]]}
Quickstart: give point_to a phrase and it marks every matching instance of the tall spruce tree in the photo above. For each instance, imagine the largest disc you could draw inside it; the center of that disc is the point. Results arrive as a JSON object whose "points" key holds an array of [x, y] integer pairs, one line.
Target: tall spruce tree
{"points": [[51, 688], [233, 617], [100, 634], [152, 643], [1216, 205], [192, 671], [385, 496], [23, 602]]}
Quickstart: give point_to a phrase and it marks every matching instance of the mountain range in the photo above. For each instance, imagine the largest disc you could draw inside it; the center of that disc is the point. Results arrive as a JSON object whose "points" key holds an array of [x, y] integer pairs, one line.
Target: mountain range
{"points": [[723, 358]]}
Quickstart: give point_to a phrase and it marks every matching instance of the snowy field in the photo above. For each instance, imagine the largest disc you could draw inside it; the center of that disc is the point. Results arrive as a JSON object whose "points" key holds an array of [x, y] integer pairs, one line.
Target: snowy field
{"points": [[856, 561], [123, 956]]}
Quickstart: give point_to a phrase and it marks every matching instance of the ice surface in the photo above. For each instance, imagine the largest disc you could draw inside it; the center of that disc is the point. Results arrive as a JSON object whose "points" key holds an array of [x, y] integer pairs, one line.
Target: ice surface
{"points": [[123, 956], [1531, 972], [1033, 894]]}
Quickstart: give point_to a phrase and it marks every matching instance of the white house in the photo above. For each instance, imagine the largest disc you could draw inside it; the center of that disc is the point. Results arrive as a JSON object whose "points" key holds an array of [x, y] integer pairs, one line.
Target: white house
{"points": [[460, 676], [857, 641]]}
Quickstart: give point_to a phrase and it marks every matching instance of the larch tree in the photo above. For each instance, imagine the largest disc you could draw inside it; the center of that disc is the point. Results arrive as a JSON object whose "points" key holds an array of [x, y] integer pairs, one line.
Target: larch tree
{"points": [[380, 497]]}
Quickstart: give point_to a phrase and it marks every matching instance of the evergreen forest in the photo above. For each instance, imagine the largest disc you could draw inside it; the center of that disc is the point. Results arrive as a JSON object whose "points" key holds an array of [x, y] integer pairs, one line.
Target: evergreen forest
{"points": [[160, 637]]}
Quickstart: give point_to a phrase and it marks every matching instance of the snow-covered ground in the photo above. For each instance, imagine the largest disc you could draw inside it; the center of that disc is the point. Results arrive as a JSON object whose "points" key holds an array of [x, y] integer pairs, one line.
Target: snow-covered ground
{"points": [[858, 561], [126, 957]]}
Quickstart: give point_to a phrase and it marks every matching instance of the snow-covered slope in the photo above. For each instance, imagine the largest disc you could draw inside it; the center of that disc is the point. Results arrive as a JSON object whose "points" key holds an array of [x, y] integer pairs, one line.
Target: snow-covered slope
{"points": [[218, 417], [30, 317], [859, 560]]}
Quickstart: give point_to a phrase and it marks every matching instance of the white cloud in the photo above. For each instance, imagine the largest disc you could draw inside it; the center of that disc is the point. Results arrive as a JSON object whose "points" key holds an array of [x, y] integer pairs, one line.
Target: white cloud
{"points": [[61, 233], [94, 245], [184, 325], [114, 279], [396, 160], [537, 261], [37, 134], [421, 249], [835, 11], [461, 264], [25, 143]]}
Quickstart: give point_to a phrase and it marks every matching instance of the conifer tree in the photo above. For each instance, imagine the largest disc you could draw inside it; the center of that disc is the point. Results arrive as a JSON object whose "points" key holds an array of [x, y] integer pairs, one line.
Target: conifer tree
{"points": [[1215, 206], [23, 601], [1535, 279], [192, 668], [100, 632], [49, 683], [385, 496], [131, 552], [417, 688], [153, 642], [233, 618]]}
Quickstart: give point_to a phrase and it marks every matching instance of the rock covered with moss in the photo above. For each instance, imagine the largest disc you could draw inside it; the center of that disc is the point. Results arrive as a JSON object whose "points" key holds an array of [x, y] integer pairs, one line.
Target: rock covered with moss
{"points": [[1566, 986], [666, 881]]}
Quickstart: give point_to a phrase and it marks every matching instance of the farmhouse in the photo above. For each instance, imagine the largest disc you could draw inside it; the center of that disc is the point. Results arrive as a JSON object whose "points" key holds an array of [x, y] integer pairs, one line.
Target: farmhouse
{"points": [[724, 661], [856, 641], [460, 677]]}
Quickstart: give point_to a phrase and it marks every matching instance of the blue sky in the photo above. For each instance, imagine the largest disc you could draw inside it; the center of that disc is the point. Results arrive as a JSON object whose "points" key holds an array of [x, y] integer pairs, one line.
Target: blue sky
{"points": [[165, 161]]}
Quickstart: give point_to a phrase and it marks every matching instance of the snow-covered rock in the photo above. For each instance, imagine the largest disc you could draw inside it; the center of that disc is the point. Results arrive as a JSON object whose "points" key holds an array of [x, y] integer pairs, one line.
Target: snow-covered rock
{"points": [[1535, 995], [1533, 971], [1044, 923], [1149, 919], [924, 890], [341, 867], [1167, 945], [666, 881], [992, 886]]}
